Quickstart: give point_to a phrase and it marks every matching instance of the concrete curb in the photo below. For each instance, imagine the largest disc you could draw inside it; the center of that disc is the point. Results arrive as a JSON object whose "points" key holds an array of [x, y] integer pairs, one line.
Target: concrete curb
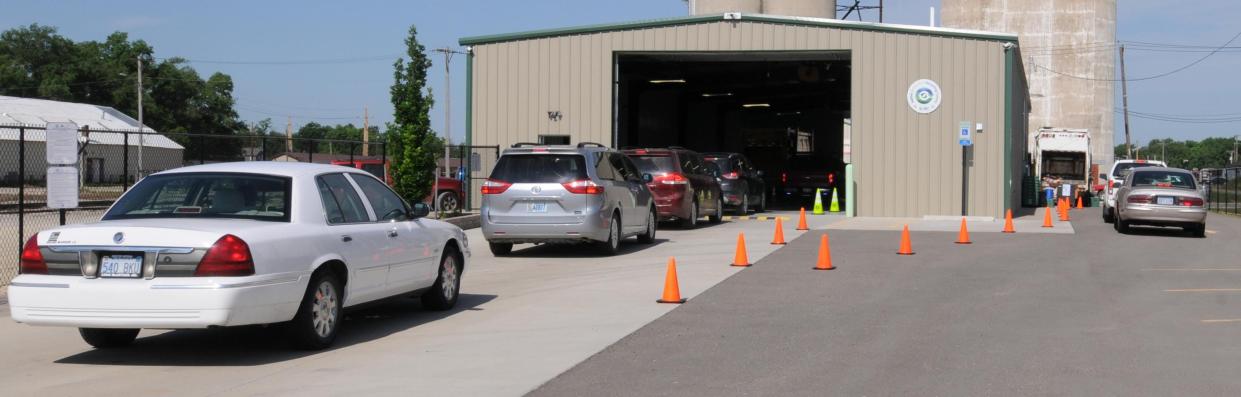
{"points": [[466, 222]]}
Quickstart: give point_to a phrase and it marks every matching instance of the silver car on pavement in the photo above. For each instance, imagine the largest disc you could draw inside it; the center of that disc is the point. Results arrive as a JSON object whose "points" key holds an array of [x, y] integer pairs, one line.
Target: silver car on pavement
{"points": [[552, 194], [1160, 196]]}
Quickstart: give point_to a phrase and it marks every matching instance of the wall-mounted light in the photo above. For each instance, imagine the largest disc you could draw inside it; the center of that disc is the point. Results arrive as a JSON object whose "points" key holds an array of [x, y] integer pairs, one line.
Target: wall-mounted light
{"points": [[668, 81], [756, 105], [716, 94]]}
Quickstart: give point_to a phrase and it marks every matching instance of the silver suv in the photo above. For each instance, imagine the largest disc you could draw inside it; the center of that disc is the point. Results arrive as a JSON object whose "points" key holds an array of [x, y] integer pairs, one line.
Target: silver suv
{"points": [[550, 194]]}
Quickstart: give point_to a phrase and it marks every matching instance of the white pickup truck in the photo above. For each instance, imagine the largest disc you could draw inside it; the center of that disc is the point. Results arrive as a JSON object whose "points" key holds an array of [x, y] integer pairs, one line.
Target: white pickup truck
{"points": [[1114, 179]]}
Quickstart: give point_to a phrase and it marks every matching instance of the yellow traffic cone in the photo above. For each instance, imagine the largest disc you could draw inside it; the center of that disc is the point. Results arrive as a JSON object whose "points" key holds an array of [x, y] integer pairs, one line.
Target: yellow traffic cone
{"points": [[835, 204], [818, 201]]}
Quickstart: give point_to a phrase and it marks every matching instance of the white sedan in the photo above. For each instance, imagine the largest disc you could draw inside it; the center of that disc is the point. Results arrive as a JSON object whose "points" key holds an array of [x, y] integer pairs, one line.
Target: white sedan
{"points": [[237, 244]]}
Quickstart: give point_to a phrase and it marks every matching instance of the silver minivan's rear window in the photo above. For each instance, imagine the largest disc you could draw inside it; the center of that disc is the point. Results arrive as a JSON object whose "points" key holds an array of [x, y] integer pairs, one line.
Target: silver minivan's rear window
{"points": [[540, 168]]}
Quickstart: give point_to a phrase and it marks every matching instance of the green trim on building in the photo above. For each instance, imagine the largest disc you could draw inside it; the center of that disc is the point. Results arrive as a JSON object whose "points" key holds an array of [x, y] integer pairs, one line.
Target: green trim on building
{"points": [[1009, 55], [696, 19], [469, 123]]}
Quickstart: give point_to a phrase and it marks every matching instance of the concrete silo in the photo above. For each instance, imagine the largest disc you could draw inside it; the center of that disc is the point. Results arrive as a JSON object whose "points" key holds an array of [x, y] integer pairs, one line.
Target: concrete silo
{"points": [[1070, 59]]}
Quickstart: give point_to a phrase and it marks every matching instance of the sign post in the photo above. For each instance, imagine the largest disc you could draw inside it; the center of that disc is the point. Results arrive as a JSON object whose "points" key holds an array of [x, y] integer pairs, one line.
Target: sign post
{"points": [[62, 167], [965, 138]]}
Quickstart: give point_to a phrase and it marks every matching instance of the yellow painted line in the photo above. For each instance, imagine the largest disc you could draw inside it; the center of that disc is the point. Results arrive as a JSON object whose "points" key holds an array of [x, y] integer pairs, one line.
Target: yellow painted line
{"points": [[1204, 290], [1222, 320], [1237, 269]]}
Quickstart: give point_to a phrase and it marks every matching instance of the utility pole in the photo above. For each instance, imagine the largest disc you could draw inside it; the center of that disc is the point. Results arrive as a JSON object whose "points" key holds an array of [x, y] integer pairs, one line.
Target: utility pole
{"points": [[1163, 147], [1124, 94], [288, 136], [141, 125], [366, 132], [448, 53]]}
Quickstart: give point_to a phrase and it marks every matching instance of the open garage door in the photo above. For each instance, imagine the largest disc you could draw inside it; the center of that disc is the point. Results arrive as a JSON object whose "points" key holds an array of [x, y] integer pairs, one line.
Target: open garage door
{"points": [[785, 111]]}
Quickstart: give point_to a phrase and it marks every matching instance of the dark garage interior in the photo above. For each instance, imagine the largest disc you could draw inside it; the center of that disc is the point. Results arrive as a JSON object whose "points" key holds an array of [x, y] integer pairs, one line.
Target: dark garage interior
{"points": [[784, 110]]}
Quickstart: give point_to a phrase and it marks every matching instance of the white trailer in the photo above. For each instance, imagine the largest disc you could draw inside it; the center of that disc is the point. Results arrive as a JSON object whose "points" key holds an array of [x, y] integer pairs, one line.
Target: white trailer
{"points": [[1063, 153]]}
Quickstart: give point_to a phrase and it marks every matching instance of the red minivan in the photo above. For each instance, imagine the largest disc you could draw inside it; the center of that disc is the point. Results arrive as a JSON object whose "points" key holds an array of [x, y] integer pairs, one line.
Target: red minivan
{"points": [[685, 186]]}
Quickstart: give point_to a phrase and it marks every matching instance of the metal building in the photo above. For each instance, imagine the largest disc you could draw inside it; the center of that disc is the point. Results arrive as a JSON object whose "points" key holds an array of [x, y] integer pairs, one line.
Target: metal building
{"points": [[888, 99], [1070, 58]]}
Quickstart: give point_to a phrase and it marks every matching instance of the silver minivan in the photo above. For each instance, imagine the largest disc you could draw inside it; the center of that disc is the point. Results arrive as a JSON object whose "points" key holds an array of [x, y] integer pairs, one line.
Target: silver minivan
{"points": [[553, 194]]}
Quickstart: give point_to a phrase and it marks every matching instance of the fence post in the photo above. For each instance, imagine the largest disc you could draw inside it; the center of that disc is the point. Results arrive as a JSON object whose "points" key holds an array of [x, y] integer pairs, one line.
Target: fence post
{"points": [[310, 151], [202, 154], [125, 162], [351, 147], [21, 188], [263, 142]]}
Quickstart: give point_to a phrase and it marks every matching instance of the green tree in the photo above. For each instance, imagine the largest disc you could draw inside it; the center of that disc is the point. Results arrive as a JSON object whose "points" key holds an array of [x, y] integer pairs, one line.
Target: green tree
{"points": [[36, 62], [410, 134]]}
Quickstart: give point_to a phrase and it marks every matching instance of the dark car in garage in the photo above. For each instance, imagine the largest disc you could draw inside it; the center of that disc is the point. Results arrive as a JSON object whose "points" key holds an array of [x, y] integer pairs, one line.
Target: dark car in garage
{"points": [[804, 176], [684, 184], [742, 185]]}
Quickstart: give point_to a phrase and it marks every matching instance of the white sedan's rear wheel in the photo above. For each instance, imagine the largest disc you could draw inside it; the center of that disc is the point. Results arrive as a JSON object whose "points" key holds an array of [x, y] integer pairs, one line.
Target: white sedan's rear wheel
{"points": [[319, 316]]}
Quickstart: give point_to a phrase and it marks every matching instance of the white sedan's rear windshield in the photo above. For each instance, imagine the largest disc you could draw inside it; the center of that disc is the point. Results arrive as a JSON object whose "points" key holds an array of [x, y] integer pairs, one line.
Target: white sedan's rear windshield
{"points": [[206, 195]]}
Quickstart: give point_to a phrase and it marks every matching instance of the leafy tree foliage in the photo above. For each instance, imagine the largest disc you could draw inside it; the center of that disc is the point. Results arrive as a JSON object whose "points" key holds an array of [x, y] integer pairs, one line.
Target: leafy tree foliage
{"points": [[410, 135], [1208, 153], [37, 62]]}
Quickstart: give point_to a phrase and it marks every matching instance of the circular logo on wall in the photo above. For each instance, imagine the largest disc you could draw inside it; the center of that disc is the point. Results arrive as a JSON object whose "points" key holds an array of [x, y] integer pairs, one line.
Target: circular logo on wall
{"points": [[924, 96]]}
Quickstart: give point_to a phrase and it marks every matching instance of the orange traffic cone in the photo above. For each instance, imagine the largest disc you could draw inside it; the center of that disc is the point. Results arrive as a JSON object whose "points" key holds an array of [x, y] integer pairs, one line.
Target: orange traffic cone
{"points": [[825, 255], [1047, 217], [963, 237], [801, 220], [1064, 212], [672, 291], [741, 259], [906, 247], [1079, 202], [1008, 222], [779, 238]]}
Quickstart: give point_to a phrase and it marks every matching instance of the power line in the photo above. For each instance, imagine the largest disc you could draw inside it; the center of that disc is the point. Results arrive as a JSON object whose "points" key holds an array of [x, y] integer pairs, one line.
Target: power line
{"points": [[1168, 73], [322, 61], [303, 117]]}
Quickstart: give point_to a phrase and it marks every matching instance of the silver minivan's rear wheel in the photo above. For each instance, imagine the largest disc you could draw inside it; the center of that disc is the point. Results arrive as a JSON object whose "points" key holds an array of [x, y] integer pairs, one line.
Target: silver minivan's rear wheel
{"points": [[612, 245]]}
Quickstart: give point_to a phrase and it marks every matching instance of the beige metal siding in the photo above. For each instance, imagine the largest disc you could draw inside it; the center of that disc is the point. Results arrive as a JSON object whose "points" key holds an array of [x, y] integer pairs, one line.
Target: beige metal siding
{"points": [[906, 164]]}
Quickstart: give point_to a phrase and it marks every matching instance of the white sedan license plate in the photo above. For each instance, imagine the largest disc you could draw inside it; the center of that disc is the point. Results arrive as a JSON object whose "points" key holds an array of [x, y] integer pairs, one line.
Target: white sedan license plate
{"points": [[1164, 201], [120, 266], [538, 207]]}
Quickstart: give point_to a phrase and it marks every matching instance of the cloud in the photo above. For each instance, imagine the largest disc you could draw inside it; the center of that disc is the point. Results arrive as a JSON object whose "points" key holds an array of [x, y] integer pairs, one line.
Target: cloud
{"points": [[136, 22]]}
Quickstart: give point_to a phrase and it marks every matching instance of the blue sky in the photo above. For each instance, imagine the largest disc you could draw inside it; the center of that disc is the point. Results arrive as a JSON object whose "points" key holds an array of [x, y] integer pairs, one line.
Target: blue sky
{"points": [[248, 31]]}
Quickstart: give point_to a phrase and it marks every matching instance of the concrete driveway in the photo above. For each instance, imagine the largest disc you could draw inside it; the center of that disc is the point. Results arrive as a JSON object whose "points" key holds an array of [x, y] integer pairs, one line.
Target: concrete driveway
{"points": [[521, 321]]}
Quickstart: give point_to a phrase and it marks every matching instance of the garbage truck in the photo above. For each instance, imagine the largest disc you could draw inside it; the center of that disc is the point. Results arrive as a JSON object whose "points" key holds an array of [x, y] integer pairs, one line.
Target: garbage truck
{"points": [[1064, 153]]}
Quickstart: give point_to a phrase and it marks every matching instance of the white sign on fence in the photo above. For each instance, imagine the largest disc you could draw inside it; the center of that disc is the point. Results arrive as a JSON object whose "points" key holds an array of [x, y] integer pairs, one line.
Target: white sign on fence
{"points": [[62, 187], [62, 143]]}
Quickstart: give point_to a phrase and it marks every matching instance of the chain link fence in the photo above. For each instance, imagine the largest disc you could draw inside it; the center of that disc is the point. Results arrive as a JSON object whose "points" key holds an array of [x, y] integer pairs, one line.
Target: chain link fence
{"points": [[110, 161], [1224, 190]]}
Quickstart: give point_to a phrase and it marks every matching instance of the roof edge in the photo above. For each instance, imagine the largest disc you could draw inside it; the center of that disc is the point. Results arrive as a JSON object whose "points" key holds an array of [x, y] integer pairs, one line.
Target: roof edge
{"points": [[738, 17]]}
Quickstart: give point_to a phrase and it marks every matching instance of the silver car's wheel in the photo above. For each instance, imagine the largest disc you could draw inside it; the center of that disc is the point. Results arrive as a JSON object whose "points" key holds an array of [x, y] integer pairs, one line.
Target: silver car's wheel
{"points": [[651, 225], [612, 246]]}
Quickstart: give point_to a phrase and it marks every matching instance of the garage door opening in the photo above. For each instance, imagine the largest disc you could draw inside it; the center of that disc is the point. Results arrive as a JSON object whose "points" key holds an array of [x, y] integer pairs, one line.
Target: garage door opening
{"points": [[785, 111]]}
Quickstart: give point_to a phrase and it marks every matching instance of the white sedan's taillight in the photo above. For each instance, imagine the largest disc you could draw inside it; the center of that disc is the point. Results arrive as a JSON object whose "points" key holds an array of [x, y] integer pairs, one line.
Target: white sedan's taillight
{"points": [[228, 257], [32, 259]]}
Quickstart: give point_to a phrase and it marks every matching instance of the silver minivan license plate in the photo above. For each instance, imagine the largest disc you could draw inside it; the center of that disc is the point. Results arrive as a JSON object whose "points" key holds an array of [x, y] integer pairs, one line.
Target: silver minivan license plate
{"points": [[120, 266], [538, 207]]}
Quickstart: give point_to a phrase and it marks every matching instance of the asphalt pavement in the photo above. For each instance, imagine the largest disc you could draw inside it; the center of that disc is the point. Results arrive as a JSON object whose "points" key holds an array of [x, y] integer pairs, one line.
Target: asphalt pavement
{"points": [[1091, 313]]}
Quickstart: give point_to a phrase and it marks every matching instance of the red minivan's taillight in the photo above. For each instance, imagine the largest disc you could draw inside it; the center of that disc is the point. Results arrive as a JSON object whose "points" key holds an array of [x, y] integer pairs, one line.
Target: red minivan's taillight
{"points": [[32, 259], [228, 257], [672, 178], [493, 186], [582, 187], [784, 177], [1192, 202], [1140, 198]]}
